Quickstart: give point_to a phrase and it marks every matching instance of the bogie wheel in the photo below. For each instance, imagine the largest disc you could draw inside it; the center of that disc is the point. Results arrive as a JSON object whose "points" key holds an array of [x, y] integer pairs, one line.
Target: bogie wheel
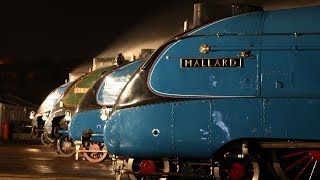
{"points": [[95, 156], [45, 141], [149, 167], [65, 146], [246, 168], [297, 163]]}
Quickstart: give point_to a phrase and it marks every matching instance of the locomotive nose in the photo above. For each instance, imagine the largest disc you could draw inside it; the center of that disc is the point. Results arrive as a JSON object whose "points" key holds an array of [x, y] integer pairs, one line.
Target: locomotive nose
{"points": [[111, 135], [72, 126]]}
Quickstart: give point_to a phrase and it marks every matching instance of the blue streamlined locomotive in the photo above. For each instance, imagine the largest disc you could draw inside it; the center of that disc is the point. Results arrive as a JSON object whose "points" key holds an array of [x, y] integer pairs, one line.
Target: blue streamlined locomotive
{"points": [[227, 100], [39, 118], [86, 127], [62, 112]]}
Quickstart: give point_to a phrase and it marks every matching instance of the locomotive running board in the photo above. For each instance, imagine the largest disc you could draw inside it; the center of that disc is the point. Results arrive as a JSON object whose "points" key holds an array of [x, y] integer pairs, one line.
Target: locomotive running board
{"points": [[289, 144], [95, 151]]}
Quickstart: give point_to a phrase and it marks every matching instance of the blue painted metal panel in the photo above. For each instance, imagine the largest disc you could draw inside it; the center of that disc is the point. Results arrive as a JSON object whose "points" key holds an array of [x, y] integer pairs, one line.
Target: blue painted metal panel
{"points": [[167, 78], [193, 139], [292, 20], [212, 81], [290, 67], [192, 128], [128, 136], [197, 128], [247, 23], [82, 121], [294, 118]]}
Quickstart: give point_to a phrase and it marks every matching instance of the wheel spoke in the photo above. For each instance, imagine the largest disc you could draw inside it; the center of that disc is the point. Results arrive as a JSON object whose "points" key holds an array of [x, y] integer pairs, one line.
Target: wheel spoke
{"points": [[65, 146], [314, 166], [303, 169], [95, 156], [297, 163], [294, 154]]}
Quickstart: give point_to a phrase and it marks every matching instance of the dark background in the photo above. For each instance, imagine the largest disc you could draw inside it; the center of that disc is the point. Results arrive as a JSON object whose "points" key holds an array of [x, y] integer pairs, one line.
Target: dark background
{"points": [[69, 31], [45, 40], [42, 41]]}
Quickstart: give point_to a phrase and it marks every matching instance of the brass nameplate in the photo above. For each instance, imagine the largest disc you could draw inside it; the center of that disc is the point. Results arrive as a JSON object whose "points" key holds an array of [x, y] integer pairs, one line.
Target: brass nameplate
{"points": [[81, 90], [211, 63]]}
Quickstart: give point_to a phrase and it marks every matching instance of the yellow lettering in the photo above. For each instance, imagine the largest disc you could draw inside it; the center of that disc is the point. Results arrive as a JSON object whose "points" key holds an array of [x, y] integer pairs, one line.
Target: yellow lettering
{"points": [[233, 62], [196, 64], [80, 90], [188, 63], [217, 63], [224, 62], [209, 63], [203, 64]]}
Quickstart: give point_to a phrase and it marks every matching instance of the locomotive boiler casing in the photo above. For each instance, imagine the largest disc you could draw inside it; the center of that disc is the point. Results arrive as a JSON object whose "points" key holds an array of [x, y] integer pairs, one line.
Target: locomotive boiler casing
{"points": [[103, 94], [48, 104], [251, 76]]}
